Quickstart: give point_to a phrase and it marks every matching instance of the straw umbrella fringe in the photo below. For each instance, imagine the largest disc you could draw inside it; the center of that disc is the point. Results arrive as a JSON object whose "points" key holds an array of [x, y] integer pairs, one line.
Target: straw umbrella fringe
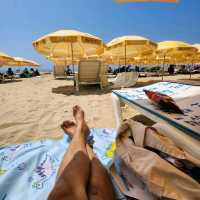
{"points": [[18, 61]]}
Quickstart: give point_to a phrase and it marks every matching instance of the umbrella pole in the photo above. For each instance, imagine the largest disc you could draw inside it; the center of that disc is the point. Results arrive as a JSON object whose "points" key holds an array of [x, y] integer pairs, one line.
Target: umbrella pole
{"points": [[72, 52], [163, 68], [125, 53], [190, 69], [65, 68]]}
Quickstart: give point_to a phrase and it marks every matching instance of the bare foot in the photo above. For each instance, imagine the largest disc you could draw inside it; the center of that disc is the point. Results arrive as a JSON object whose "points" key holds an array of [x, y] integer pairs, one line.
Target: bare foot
{"points": [[79, 117], [78, 114], [69, 127]]}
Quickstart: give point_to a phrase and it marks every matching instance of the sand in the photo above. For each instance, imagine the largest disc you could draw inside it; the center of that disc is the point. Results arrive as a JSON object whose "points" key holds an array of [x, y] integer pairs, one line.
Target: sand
{"points": [[34, 108]]}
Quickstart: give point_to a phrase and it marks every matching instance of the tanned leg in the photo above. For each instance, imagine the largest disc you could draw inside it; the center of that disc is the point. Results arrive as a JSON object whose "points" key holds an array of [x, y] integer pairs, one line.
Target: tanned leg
{"points": [[100, 186], [75, 167]]}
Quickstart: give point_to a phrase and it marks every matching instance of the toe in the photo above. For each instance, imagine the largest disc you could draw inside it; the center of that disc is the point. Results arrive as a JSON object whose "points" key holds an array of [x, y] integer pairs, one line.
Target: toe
{"points": [[75, 110]]}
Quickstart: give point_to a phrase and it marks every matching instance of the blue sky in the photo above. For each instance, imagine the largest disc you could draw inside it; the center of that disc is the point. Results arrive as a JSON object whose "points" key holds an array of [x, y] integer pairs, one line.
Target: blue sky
{"points": [[23, 21]]}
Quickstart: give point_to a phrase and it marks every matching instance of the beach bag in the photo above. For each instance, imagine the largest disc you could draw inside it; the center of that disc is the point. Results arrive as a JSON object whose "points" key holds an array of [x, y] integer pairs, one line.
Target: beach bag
{"points": [[148, 165]]}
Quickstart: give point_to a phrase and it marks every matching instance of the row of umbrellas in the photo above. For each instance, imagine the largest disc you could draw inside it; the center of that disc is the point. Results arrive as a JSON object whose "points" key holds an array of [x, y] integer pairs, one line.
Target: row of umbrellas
{"points": [[71, 46], [7, 60], [149, 52]]}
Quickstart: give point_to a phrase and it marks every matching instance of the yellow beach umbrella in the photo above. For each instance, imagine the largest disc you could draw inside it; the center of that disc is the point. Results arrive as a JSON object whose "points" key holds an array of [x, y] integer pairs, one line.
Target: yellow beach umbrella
{"points": [[144, 60], [197, 58], [68, 44], [166, 60], [94, 56], [62, 60], [108, 59], [117, 60], [130, 46], [20, 62], [122, 60], [177, 50], [4, 58], [161, 1], [198, 47]]}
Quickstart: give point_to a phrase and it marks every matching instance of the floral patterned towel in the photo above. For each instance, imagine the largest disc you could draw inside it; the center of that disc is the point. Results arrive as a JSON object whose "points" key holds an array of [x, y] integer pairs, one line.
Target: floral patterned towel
{"points": [[28, 171]]}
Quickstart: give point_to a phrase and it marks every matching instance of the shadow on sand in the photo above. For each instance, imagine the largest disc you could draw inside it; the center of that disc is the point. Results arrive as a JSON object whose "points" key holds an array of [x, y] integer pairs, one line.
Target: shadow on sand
{"points": [[84, 90], [10, 81], [195, 82], [95, 89]]}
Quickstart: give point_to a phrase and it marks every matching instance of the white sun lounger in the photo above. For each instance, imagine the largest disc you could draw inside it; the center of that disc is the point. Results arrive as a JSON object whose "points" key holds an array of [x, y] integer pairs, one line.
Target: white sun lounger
{"points": [[182, 129], [125, 79]]}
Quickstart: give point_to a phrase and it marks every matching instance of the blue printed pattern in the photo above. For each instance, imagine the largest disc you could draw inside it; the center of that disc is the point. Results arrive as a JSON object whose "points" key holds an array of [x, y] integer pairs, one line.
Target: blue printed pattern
{"points": [[28, 171], [189, 103], [167, 88]]}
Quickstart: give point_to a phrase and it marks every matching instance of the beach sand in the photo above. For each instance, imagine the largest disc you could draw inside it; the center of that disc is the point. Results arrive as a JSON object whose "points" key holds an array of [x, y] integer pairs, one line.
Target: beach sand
{"points": [[34, 108]]}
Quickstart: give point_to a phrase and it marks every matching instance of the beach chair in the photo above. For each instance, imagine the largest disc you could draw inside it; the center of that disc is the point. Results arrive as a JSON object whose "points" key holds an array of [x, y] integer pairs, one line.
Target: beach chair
{"points": [[9, 76], [90, 72], [2, 78], [125, 79], [59, 71]]}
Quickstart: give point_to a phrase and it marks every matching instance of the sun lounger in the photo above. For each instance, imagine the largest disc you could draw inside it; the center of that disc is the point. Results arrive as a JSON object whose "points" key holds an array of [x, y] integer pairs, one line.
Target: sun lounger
{"points": [[125, 79], [59, 71], [90, 72], [2, 78], [8, 76], [183, 129]]}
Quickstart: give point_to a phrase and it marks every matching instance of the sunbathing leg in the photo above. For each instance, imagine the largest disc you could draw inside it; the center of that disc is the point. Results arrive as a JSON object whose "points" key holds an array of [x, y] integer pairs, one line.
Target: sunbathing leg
{"points": [[75, 167], [100, 186]]}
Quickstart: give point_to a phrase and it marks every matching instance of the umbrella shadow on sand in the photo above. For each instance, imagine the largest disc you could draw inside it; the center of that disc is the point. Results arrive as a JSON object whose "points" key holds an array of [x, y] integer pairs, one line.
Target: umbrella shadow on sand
{"points": [[84, 90], [195, 82], [93, 89], [10, 81]]}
